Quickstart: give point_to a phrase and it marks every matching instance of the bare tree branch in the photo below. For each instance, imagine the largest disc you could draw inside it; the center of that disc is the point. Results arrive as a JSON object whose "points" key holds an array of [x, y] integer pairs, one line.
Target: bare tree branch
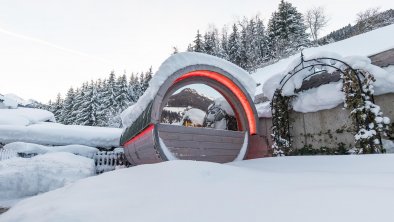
{"points": [[316, 19]]}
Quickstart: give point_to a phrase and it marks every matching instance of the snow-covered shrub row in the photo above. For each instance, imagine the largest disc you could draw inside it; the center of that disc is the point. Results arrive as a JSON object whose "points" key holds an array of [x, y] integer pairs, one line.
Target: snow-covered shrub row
{"points": [[58, 135], [175, 63], [30, 148], [21, 177]]}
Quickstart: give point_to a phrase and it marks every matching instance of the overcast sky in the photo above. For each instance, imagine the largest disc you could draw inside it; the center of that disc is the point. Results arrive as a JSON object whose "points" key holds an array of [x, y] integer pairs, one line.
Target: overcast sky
{"points": [[46, 46]]}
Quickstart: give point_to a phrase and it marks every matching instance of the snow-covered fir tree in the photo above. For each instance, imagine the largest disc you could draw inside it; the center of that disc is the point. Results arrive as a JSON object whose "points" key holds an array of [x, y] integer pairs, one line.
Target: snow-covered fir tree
{"points": [[198, 46], [67, 109], [286, 30], [100, 102]]}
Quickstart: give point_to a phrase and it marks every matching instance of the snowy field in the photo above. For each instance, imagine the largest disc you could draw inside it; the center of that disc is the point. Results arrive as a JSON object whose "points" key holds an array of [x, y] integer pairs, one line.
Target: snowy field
{"points": [[320, 188]]}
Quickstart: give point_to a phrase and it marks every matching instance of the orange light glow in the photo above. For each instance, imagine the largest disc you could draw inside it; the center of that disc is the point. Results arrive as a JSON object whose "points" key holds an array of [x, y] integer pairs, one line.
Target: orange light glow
{"points": [[231, 86]]}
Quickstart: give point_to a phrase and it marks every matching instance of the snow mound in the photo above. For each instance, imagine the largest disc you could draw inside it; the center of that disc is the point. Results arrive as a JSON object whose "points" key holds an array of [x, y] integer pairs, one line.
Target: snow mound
{"points": [[30, 148], [18, 99], [268, 189], [8, 102], [25, 116], [21, 177], [175, 63], [59, 135], [195, 115]]}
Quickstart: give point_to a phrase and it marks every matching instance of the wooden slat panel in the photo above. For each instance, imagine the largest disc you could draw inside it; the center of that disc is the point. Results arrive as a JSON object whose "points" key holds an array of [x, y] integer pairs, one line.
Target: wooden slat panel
{"points": [[204, 145]]}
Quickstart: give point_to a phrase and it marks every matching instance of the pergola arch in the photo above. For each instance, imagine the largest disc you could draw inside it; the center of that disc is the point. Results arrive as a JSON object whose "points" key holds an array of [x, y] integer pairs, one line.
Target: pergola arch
{"points": [[316, 66]]}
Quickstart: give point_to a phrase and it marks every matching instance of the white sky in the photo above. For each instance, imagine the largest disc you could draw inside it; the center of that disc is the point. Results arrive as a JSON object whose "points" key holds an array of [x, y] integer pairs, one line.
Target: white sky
{"points": [[46, 46]]}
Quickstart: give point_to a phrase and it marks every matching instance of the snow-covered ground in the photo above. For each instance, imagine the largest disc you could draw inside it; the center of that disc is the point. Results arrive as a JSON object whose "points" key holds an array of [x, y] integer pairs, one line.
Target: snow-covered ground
{"points": [[22, 177], [320, 188], [59, 134]]}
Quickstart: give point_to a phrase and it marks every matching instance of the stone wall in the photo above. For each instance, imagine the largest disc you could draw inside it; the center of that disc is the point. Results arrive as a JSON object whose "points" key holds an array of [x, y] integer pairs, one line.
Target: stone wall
{"points": [[325, 128]]}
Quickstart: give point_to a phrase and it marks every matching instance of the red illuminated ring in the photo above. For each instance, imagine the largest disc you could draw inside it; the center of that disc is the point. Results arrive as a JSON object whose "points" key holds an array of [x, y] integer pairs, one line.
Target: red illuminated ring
{"points": [[232, 87]]}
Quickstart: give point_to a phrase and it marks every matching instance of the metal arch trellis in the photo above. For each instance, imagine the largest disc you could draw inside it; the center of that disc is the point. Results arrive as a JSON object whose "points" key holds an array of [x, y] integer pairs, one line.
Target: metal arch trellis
{"points": [[316, 66]]}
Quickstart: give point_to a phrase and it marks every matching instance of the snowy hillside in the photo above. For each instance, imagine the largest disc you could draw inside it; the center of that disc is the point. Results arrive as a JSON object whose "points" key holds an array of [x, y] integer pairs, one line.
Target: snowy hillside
{"points": [[325, 188]]}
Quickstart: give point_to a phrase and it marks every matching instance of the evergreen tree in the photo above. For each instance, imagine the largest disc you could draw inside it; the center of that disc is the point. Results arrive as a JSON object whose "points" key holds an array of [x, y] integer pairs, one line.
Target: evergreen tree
{"points": [[223, 51], [123, 97], [67, 111], [57, 108], [198, 44], [88, 114], [244, 46], [286, 30], [234, 46], [79, 105], [109, 103], [261, 40]]}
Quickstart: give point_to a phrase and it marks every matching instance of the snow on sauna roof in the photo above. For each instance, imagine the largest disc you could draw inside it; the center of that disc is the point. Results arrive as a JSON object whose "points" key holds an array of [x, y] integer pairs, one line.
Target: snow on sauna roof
{"points": [[175, 63], [366, 44]]}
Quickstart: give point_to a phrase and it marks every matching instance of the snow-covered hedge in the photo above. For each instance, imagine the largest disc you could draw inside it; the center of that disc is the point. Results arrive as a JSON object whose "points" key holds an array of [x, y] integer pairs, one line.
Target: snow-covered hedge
{"points": [[58, 135]]}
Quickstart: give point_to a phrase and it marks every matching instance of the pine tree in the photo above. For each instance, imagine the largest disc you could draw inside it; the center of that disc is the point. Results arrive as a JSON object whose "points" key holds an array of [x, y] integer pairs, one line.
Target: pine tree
{"points": [[110, 103], [67, 111], [234, 46], [286, 30], [223, 51], [198, 44], [261, 40], [79, 104], [211, 42], [101, 109], [88, 115], [123, 97], [244, 46], [57, 108]]}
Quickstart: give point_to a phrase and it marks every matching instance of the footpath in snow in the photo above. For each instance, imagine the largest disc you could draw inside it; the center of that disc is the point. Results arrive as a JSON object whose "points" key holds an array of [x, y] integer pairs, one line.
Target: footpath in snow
{"points": [[319, 188]]}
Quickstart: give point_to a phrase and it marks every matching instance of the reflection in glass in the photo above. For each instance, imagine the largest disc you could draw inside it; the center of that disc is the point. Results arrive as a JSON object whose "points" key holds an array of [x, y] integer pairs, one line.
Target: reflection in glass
{"points": [[198, 105]]}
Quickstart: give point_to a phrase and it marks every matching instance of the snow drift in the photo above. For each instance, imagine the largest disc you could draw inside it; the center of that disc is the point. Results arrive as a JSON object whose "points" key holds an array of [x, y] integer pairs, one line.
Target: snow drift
{"points": [[325, 188], [21, 177]]}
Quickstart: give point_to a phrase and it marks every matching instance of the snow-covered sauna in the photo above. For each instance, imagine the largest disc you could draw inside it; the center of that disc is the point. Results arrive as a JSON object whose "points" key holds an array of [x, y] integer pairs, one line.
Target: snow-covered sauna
{"points": [[146, 140]]}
